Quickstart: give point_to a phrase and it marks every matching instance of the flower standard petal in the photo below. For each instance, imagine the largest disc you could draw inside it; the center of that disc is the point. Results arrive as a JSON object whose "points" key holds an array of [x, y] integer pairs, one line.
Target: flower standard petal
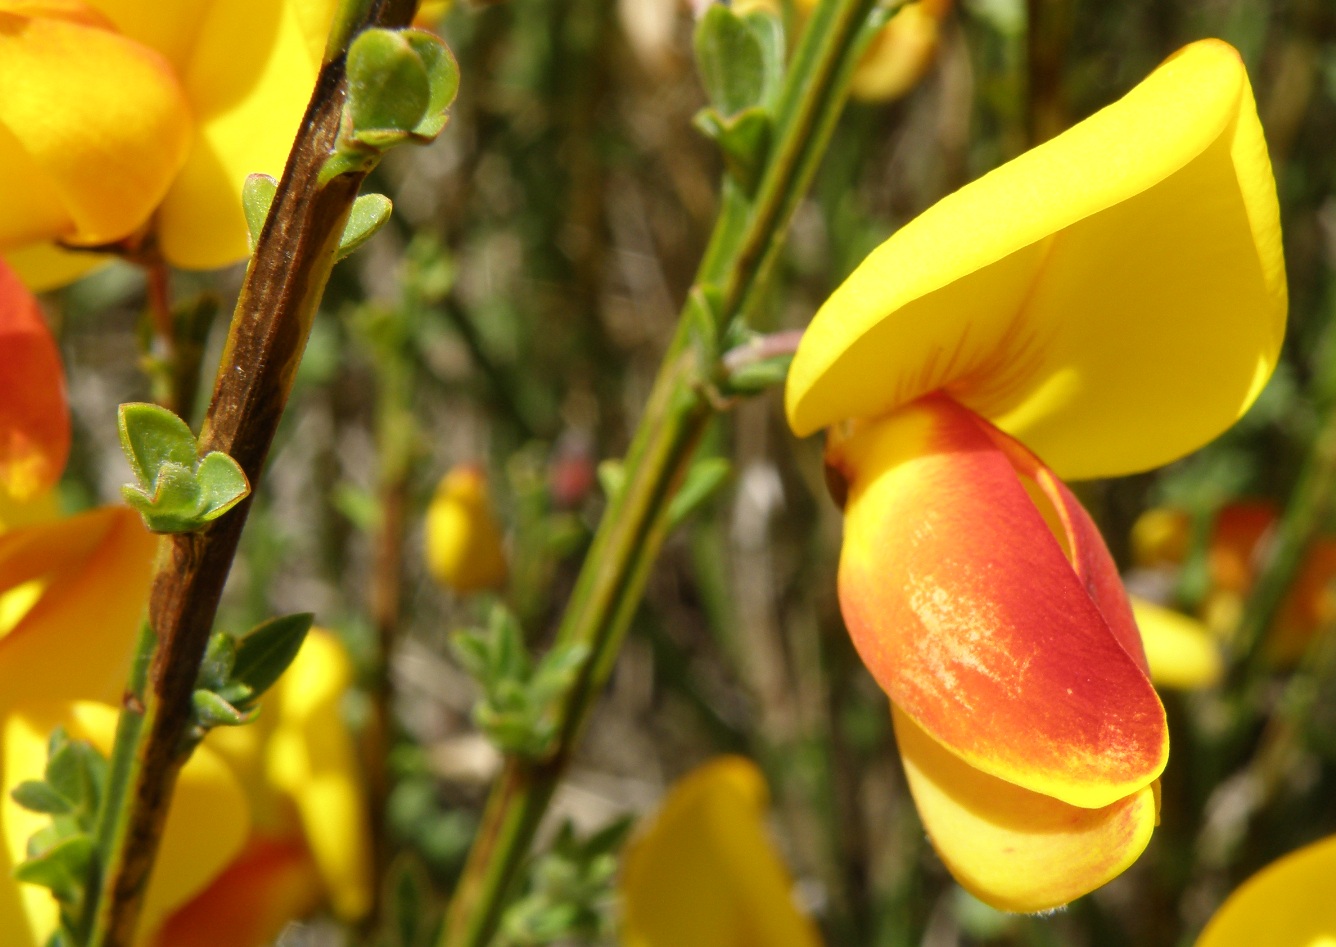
{"points": [[1006, 637], [705, 873], [1015, 849], [34, 421], [249, 77], [94, 164], [1131, 262]]}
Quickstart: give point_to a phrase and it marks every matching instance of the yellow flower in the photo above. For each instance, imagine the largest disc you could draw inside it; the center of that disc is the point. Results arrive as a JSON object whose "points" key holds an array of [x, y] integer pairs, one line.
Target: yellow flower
{"points": [[704, 871], [1286, 904], [1107, 302], [308, 837], [115, 111], [898, 55], [464, 544], [269, 817]]}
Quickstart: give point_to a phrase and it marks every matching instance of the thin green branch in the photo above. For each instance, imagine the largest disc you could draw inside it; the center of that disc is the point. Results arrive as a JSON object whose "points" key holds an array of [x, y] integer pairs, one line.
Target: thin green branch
{"points": [[746, 242]]}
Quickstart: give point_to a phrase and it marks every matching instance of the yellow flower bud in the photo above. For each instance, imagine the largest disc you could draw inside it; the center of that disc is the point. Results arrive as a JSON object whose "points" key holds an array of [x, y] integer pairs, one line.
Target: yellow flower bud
{"points": [[464, 547]]}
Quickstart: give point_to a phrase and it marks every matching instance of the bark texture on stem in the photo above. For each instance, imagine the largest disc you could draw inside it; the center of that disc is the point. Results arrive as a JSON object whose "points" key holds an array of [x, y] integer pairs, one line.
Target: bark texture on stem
{"points": [[280, 295]]}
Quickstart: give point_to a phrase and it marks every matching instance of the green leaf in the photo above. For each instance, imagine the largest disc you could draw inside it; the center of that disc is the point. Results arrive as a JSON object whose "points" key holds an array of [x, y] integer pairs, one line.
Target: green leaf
{"points": [[211, 710], [37, 796], [257, 196], [471, 650], [388, 85], [220, 485], [756, 377], [63, 868], [731, 58], [769, 32], [267, 650], [611, 477], [215, 671], [705, 477], [152, 436], [442, 78], [743, 139], [369, 213]]}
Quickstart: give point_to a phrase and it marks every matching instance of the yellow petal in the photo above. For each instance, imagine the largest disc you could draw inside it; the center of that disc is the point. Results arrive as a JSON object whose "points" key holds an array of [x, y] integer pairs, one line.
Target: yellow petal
{"points": [[1131, 263], [464, 544], [1011, 848], [1286, 904], [44, 266], [205, 828], [311, 758], [93, 571], [250, 74], [705, 873], [93, 126], [1181, 651]]}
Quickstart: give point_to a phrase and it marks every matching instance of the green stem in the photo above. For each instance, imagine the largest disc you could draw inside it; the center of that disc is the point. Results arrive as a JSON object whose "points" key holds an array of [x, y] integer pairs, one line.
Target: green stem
{"points": [[742, 251], [1305, 515], [278, 300]]}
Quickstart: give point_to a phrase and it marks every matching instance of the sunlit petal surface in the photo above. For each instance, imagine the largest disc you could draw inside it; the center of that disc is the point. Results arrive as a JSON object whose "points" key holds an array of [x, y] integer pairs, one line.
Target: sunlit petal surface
{"points": [[92, 169], [205, 828], [1287, 904], [73, 638], [705, 872], [251, 70], [1015, 849], [1181, 651], [311, 758], [1015, 648], [1131, 263], [34, 420]]}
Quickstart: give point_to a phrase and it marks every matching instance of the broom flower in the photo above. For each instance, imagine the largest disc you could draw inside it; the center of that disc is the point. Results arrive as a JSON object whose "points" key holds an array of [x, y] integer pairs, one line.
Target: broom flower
{"points": [[1098, 306]]}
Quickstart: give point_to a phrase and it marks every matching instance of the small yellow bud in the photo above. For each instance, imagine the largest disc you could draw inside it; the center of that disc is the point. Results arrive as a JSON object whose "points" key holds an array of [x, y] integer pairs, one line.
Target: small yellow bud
{"points": [[464, 550]]}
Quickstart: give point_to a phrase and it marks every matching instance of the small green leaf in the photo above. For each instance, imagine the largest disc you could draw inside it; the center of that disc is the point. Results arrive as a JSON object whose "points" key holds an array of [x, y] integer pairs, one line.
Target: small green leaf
{"points": [[369, 213], [266, 650], [220, 485], [257, 195], [388, 85], [211, 710], [216, 668], [472, 652], [705, 477], [63, 868], [769, 32], [743, 139], [756, 377], [611, 477], [37, 796], [731, 59], [152, 436], [442, 78]]}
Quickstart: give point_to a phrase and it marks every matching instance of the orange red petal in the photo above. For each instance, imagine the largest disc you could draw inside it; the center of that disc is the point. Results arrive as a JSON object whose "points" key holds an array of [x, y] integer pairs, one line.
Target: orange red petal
{"points": [[1002, 630], [34, 420]]}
